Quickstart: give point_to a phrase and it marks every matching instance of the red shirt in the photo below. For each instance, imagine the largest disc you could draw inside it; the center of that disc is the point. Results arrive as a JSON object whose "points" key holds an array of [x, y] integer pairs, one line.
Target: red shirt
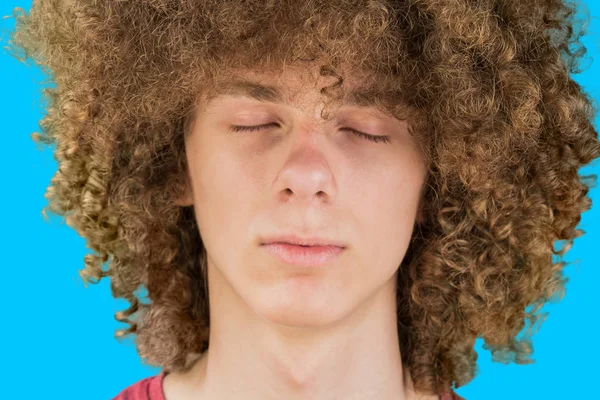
{"points": [[151, 388]]}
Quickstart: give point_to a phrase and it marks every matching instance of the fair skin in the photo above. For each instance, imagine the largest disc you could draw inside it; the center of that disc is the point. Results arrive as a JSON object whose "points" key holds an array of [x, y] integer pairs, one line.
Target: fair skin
{"points": [[280, 331]]}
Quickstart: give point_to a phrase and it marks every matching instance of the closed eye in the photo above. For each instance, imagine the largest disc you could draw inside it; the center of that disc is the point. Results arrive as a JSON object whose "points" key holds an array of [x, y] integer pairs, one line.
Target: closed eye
{"points": [[239, 128], [373, 138]]}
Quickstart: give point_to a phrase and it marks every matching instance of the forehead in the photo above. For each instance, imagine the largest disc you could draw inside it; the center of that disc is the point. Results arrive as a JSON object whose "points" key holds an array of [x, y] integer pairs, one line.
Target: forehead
{"points": [[290, 84]]}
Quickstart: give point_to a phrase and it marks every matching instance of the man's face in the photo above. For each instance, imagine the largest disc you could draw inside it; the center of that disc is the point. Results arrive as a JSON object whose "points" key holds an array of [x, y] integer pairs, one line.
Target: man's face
{"points": [[306, 176]]}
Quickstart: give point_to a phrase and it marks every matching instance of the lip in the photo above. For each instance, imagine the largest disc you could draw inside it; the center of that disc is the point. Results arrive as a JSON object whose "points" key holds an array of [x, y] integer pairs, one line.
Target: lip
{"points": [[297, 240], [303, 256]]}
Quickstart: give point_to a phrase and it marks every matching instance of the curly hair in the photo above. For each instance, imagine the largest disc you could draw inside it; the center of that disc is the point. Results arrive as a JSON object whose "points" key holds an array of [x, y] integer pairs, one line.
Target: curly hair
{"points": [[485, 85]]}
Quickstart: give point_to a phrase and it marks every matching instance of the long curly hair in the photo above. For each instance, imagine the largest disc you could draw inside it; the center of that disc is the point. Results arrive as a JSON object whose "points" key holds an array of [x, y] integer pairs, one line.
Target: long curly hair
{"points": [[485, 85]]}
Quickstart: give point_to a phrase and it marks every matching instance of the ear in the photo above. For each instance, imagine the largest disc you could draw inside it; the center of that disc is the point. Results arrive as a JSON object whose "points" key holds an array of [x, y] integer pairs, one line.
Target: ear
{"points": [[420, 216], [186, 199]]}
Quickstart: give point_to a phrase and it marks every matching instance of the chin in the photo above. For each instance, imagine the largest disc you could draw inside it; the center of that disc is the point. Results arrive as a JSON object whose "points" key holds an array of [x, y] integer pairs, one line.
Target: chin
{"points": [[300, 311], [300, 319]]}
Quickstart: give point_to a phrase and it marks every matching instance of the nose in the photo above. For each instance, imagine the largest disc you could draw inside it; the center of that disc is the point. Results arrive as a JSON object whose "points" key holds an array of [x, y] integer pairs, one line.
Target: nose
{"points": [[305, 177]]}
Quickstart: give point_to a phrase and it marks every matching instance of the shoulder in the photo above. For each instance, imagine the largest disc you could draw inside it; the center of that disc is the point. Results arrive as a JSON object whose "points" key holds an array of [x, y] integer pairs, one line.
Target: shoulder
{"points": [[150, 388], [451, 396]]}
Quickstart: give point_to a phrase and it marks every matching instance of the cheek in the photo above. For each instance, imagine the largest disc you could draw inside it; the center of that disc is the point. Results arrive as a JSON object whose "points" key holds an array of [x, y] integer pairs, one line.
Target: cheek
{"points": [[391, 195], [224, 193], [220, 193], [218, 175], [386, 212]]}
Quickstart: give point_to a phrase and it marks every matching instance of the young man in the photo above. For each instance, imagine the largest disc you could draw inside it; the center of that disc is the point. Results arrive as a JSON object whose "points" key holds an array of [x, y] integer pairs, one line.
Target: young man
{"points": [[305, 222], [324, 200]]}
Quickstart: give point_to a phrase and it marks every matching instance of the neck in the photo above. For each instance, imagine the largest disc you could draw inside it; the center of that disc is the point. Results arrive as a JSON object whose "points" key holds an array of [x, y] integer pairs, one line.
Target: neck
{"points": [[252, 358]]}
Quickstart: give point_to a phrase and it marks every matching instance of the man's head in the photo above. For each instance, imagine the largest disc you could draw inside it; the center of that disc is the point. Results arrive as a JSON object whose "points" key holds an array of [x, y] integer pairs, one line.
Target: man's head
{"points": [[305, 175], [479, 178]]}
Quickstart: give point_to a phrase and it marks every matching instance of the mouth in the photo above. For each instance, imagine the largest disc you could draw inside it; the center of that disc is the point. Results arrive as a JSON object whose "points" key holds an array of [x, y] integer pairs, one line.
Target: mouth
{"points": [[302, 242], [303, 255]]}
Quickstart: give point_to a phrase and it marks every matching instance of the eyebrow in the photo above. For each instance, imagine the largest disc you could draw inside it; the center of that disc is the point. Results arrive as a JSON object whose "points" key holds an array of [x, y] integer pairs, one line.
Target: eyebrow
{"points": [[274, 94], [253, 90]]}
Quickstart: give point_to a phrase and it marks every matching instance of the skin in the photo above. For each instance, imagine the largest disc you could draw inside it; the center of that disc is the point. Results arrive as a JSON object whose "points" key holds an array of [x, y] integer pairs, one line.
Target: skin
{"points": [[280, 331]]}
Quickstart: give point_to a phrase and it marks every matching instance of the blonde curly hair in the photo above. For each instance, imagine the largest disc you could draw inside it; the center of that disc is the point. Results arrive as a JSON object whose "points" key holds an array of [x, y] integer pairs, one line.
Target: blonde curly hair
{"points": [[485, 84]]}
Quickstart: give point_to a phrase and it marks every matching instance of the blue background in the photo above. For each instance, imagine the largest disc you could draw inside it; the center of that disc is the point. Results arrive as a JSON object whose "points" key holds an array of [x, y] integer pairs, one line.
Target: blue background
{"points": [[57, 336]]}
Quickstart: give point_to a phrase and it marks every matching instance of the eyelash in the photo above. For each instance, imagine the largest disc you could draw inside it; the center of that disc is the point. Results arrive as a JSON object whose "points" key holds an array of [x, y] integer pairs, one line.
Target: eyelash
{"points": [[372, 138]]}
